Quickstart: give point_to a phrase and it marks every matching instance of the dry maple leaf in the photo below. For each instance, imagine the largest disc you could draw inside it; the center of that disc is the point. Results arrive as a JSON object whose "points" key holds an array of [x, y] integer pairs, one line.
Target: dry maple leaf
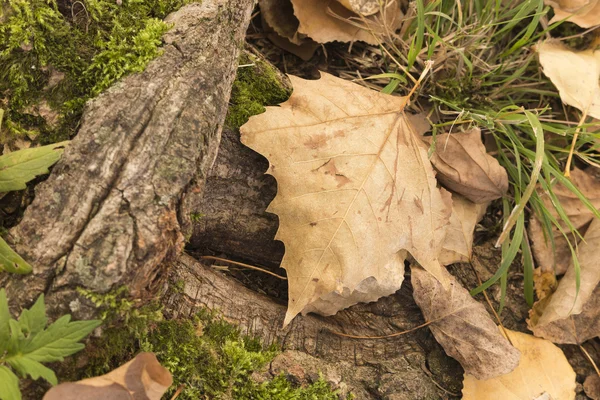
{"points": [[558, 260], [543, 369], [328, 20], [458, 244], [463, 327], [464, 167], [560, 317], [574, 73], [585, 13], [355, 188], [141, 378]]}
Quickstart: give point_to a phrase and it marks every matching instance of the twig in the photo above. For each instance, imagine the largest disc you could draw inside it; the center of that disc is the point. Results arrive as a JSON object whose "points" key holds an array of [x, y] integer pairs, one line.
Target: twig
{"points": [[243, 265], [178, 392], [590, 359], [391, 335]]}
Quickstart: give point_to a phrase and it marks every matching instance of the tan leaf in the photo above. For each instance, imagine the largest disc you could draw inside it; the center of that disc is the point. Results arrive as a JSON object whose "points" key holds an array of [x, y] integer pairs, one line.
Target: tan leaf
{"points": [[355, 187], [458, 244], [543, 371], [560, 317], [580, 216], [574, 73], [141, 378], [591, 386], [585, 13], [463, 327], [464, 167], [327, 21]]}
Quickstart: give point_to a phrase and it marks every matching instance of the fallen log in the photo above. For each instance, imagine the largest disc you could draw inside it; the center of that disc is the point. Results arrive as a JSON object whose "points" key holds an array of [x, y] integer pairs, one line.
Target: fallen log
{"points": [[108, 214]]}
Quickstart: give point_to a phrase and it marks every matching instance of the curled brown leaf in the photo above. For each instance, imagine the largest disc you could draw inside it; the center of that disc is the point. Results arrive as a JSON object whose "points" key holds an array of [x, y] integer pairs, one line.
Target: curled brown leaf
{"points": [[464, 167], [141, 378], [463, 327]]}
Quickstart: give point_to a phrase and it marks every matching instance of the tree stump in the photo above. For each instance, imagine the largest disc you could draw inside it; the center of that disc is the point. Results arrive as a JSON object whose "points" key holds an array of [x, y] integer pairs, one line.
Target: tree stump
{"points": [[108, 215]]}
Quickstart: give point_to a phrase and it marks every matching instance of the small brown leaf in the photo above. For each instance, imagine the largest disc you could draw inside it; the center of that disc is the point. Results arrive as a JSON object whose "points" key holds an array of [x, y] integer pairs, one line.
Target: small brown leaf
{"points": [[458, 244], [464, 167], [463, 327], [327, 21], [591, 386], [141, 378], [585, 13], [574, 73], [580, 216], [568, 316], [543, 373]]}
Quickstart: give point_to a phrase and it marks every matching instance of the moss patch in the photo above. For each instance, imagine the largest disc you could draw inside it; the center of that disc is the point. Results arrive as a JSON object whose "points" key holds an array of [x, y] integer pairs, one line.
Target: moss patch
{"points": [[256, 85], [61, 57], [207, 355]]}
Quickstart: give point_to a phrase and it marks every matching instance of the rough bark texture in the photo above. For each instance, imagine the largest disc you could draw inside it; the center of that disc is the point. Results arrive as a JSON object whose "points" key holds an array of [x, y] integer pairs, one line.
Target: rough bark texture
{"points": [[406, 367], [108, 214]]}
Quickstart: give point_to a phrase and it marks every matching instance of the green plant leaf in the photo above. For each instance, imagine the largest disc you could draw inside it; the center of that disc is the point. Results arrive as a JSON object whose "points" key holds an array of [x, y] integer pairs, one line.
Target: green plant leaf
{"points": [[19, 167], [59, 340], [26, 366], [34, 320], [10, 261], [4, 318], [27, 343], [9, 385]]}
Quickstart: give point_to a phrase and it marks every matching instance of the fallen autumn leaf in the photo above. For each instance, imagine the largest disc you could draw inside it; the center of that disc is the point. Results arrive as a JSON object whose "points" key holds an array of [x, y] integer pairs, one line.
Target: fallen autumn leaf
{"points": [[543, 368], [355, 187]]}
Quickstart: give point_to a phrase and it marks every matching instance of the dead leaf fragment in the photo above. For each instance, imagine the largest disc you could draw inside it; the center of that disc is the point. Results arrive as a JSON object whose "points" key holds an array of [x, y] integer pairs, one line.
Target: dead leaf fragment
{"points": [[591, 386], [355, 187], [543, 370], [560, 317], [558, 261], [463, 327], [574, 73], [585, 13], [141, 378], [328, 21], [458, 244], [464, 167]]}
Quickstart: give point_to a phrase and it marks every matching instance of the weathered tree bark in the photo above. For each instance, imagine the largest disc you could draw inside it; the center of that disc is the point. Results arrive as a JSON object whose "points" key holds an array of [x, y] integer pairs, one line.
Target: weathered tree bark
{"points": [[407, 367], [108, 214]]}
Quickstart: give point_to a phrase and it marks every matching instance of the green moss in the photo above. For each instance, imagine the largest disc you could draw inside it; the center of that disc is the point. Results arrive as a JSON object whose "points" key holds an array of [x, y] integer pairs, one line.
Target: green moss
{"points": [[206, 354], [94, 45], [256, 85]]}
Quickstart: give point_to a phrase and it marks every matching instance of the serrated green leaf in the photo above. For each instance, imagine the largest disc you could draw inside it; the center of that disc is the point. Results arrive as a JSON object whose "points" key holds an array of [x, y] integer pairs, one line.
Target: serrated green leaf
{"points": [[19, 167], [4, 318], [26, 366], [9, 385], [34, 320], [59, 340], [11, 261]]}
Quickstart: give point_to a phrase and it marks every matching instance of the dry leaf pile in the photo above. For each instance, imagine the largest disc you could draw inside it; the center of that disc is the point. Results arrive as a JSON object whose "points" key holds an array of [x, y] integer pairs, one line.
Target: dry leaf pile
{"points": [[357, 193], [299, 25], [141, 378]]}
